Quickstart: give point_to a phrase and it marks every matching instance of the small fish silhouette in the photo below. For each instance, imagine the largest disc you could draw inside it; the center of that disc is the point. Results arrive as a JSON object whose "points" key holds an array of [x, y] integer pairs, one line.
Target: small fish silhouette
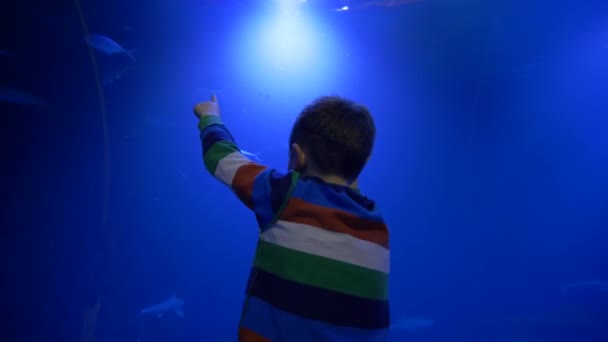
{"points": [[252, 156], [172, 305], [107, 45], [412, 324], [20, 97], [114, 75], [586, 286]]}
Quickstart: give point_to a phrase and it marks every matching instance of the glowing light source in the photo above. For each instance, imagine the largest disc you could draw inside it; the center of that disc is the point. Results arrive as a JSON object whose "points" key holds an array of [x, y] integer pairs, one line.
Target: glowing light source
{"points": [[289, 42], [287, 49]]}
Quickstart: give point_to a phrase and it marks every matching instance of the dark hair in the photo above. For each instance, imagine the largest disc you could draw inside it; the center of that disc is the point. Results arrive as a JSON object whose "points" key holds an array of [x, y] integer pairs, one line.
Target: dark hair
{"points": [[337, 134]]}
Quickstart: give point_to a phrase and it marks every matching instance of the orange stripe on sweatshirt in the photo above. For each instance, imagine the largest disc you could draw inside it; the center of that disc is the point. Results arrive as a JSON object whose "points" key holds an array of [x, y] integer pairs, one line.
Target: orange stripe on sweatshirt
{"points": [[243, 181], [300, 211], [246, 335]]}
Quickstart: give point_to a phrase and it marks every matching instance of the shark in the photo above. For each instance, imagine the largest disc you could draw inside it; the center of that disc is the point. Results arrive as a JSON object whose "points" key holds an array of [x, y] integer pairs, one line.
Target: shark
{"points": [[172, 305]]}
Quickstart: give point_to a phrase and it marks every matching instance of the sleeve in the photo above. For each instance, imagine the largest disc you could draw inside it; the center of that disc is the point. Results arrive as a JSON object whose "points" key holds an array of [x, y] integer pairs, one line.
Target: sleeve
{"points": [[261, 189]]}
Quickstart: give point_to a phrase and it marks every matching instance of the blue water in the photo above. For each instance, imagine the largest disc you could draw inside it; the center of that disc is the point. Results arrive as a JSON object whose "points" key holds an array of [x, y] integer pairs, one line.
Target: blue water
{"points": [[490, 163]]}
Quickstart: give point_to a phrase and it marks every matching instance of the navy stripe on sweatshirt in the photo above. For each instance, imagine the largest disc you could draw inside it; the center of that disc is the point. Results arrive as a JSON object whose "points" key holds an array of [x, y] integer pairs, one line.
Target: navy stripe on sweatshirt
{"points": [[213, 134], [303, 300]]}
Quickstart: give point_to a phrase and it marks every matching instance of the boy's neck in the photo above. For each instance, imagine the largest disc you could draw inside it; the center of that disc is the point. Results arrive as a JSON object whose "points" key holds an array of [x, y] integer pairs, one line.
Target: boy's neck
{"points": [[333, 180]]}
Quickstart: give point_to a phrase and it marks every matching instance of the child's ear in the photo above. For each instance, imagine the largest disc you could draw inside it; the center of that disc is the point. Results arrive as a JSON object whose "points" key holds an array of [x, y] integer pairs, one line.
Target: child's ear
{"points": [[298, 157]]}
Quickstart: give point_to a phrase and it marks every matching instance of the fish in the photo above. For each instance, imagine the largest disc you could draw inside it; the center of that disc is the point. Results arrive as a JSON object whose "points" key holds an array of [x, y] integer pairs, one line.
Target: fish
{"points": [[252, 156], [20, 97], [586, 286], [107, 45], [6, 53], [172, 305], [412, 324]]}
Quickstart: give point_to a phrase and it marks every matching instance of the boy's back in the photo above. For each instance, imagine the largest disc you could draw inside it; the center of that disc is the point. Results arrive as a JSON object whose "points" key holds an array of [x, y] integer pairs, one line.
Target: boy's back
{"points": [[320, 271]]}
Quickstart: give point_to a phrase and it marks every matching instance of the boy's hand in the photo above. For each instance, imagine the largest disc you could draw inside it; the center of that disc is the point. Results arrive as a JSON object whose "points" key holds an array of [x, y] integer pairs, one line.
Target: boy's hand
{"points": [[207, 108]]}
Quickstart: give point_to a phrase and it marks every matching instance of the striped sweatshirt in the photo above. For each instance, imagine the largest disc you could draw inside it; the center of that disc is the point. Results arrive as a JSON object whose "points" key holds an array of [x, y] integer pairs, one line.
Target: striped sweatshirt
{"points": [[320, 271]]}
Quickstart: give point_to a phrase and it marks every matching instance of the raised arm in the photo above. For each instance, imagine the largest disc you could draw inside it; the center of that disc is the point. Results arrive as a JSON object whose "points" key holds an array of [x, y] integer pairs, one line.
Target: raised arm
{"points": [[225, 162], [222, 158]]}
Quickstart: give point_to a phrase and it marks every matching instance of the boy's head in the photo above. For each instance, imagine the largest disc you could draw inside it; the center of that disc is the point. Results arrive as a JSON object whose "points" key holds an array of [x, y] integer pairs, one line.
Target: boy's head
{"points": [[332, 137]]}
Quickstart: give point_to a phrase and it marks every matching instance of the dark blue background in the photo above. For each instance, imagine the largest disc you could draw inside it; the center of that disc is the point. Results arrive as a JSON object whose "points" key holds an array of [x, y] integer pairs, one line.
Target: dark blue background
{"points": [[491, 165]]}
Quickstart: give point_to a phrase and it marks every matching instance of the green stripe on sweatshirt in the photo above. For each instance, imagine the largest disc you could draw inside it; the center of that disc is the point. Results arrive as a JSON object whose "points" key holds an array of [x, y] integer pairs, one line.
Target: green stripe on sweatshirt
{"points": [[216, 153], [314, 270], [208, 120]]}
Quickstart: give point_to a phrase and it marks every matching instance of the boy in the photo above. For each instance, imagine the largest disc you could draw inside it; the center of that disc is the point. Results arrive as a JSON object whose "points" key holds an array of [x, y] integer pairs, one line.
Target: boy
{"points": [[320, 271]]}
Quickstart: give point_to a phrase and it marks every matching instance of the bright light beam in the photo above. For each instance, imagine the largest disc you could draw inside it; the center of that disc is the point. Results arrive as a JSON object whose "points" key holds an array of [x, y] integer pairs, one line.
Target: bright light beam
{"points": [[287, 50], [289, 43]]}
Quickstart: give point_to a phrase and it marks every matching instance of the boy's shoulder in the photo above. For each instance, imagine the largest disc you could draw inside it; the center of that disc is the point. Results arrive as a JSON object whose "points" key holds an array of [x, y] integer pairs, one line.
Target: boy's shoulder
{"points": [[285, 185], [335, 193]]}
